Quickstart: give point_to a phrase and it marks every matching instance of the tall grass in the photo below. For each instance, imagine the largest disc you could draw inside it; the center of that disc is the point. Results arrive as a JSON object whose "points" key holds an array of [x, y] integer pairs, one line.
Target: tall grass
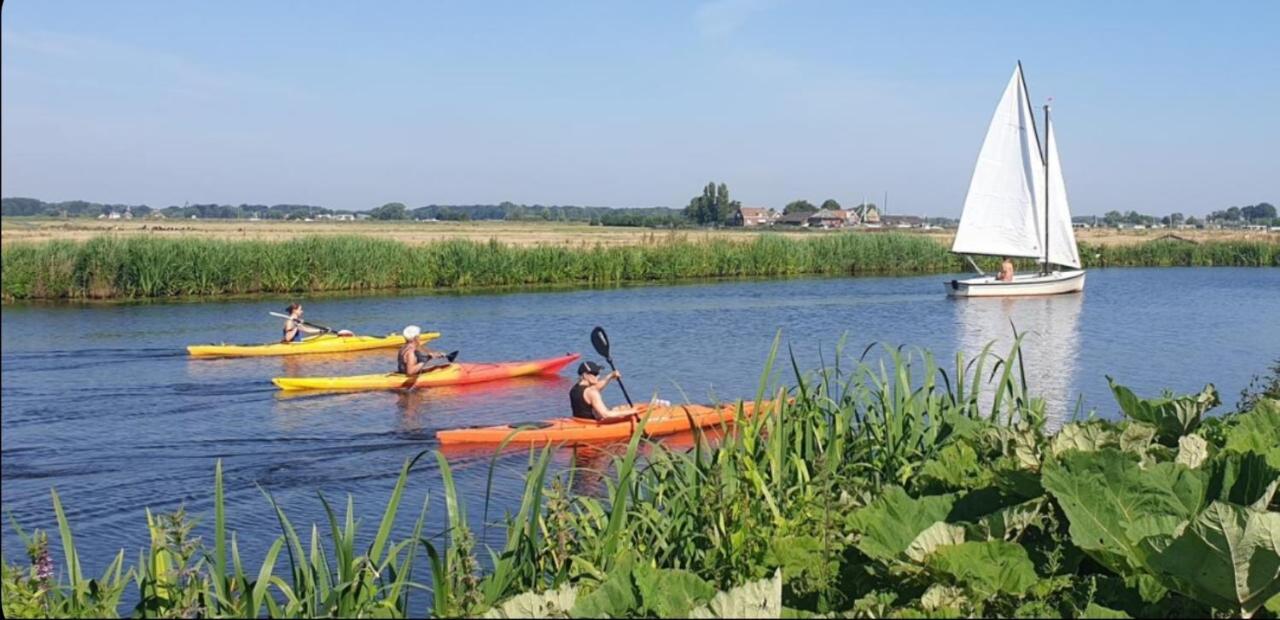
{"points": [[139, 267]]}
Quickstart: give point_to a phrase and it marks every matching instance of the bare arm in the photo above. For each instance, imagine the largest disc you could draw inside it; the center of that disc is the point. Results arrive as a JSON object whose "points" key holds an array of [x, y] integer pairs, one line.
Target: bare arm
{"points": [[604, 413]]}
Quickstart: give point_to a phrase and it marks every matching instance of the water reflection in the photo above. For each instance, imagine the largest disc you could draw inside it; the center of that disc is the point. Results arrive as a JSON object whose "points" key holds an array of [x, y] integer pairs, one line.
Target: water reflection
{"points": [[1050, 345]]}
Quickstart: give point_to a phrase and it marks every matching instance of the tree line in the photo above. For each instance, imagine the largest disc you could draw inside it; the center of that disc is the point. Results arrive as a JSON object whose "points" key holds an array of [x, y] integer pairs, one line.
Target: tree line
{"points": [[17, 207], [657, 217], [1262, 213]]}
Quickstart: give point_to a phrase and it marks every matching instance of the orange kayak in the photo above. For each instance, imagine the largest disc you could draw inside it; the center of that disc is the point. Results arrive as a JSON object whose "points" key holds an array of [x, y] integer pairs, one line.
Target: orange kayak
{"points": [[449, 374], [658, 421]]}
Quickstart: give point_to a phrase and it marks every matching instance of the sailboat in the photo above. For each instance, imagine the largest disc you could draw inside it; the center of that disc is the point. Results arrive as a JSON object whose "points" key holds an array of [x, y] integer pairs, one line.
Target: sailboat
{"points": [[1017, 205]]}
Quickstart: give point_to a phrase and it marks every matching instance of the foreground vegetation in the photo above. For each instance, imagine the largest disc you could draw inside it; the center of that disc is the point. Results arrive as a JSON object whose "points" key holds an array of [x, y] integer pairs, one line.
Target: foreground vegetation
{"points": [[137, 267], [888, 488]]}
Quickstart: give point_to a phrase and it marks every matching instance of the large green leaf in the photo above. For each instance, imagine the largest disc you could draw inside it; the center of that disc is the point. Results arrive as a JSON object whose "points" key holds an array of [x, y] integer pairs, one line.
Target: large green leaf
{"points": [[1173, 416], [944, 598], [1193, 450], [1106, 494], [1244, 478], [1008, 522], [758, 599], [1095, 610], [1137, 437], [670, 593], [956, 467], [986, 568], [615, 597], [1228, 557], [893, 520], [638, 588], [553, 604], [939, 534], [1258, 431], [1085, 437], [806, 560]]}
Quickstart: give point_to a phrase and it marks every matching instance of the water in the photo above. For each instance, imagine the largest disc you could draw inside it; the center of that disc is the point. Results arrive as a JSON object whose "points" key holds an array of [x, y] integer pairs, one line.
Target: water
{"points": [[102, 402]]}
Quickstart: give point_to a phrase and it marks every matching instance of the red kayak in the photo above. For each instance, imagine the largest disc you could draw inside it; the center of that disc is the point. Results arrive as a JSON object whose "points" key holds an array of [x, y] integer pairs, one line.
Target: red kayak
{"points": [[449, 374]]}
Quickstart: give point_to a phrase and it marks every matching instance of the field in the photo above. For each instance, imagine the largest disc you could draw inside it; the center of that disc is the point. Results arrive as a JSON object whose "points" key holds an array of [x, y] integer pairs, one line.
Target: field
{"points": [[568, 234]]}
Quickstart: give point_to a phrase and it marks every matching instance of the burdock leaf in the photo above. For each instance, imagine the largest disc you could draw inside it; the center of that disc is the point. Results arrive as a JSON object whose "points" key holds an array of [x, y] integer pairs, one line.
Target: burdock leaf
{"points": [[1228, 557]]}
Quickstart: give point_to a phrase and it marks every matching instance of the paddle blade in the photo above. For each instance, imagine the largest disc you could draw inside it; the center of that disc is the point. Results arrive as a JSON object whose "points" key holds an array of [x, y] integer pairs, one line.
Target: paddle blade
{"points": [[600, 341], [452, 356]]}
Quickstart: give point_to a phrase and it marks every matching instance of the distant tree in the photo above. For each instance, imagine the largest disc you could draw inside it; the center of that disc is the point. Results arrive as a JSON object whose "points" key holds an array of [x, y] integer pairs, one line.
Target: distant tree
{"points": [[23, 206], [799, 206], [1113, 218], [1194, 221], [712, 207], [390, 211], [1260, 212], [830, 204], [1233, 214], [1176, 219]]}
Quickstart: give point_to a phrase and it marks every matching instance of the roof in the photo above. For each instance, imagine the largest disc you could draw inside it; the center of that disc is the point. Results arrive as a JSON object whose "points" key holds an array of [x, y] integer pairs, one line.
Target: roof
{"points": [[794, 218], [830, 214], [753, 211], [902, 219]]}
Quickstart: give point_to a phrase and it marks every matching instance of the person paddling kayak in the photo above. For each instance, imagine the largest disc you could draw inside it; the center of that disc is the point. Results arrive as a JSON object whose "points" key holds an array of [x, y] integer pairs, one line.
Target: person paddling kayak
{"points": [[294, 327], [414, 356], [587, 403]]}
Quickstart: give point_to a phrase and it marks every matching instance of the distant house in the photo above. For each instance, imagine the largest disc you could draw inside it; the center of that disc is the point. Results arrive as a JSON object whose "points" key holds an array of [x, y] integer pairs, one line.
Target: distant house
{"points": [[794, 219], [753, 216], [829, 218], [902, 221], [868, 215]]}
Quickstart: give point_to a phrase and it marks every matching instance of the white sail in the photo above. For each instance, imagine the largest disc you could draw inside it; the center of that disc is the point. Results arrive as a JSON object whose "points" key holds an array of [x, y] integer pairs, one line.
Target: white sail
{"points": [[1062, 238], [1000, 211]]}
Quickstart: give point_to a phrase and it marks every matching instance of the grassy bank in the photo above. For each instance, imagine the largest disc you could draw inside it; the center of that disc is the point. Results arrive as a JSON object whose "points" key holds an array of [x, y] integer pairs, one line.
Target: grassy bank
{"points": [[878, 489], [139, 267]]}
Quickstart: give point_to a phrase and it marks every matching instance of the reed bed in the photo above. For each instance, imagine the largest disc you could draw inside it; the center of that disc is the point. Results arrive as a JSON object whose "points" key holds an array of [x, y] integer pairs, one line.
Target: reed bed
{"points": [[885, 485], [138, 267]]}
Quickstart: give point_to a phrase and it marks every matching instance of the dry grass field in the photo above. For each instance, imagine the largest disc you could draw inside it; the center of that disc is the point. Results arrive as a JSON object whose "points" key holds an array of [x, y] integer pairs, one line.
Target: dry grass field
{"points": [[513, 233]]}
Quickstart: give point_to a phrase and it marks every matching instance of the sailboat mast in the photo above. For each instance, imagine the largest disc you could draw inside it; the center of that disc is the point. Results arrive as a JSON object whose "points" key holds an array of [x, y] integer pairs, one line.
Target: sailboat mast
{"points": [[1047, 137]]}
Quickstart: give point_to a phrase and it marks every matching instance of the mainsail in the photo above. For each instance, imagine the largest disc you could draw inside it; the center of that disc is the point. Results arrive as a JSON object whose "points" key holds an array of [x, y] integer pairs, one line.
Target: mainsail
{"points": [[1000, 215], [1062, 239]]}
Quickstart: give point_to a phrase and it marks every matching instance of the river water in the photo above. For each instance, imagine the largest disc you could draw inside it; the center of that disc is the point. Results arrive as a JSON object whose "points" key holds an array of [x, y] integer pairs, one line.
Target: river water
{"points": [[101, 402]]}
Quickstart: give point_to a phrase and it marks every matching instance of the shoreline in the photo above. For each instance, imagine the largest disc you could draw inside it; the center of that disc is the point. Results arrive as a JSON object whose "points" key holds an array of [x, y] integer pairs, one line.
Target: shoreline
{"points": [[133, 269]]}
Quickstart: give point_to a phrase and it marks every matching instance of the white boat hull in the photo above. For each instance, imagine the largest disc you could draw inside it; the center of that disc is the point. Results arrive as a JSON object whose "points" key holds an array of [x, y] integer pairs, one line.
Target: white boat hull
{"points": [[1055, 283]]}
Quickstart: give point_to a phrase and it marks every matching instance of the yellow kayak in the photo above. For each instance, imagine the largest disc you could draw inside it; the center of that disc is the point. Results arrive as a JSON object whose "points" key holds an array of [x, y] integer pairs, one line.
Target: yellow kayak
{"points": [[324, 343]]}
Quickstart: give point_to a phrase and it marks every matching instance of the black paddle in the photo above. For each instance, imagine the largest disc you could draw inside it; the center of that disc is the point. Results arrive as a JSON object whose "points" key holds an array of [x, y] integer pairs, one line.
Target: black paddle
{"points": [[600, 341], [328, 330]]}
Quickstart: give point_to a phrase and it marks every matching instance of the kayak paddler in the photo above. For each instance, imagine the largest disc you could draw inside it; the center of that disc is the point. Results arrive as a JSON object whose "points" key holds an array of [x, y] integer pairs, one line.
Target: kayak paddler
{"points": [[294, 327], [414, 356], [586, 401]]}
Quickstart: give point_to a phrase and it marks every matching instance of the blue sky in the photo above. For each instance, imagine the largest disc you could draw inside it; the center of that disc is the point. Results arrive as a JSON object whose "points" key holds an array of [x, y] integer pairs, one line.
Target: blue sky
{"points": [[1159, 106]]}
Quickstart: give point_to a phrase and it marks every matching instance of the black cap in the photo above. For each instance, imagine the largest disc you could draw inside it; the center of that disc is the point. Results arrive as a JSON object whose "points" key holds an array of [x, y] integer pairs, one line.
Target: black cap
{"points": [[589, 368]]}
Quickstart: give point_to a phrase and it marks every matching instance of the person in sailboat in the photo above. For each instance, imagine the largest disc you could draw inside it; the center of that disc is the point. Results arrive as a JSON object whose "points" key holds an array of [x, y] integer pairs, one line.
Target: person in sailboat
{"points": [[1006, 270]]}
